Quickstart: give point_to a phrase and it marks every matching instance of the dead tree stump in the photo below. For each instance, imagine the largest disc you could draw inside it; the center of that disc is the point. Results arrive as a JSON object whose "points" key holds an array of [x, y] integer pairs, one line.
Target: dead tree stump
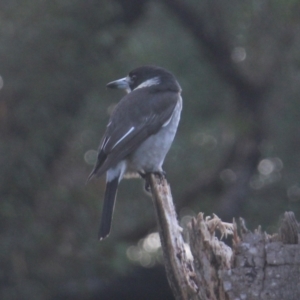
{"points": [[257, 266]]}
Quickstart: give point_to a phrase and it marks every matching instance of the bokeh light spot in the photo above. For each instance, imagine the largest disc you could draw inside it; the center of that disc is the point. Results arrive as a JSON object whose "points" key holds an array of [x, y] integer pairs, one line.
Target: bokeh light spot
{"points": [[238, 54], [133, 253], [1, 82], [266, 167], [205, 140], [269, 165], [90, 157], [228, 176], [152, 242]]}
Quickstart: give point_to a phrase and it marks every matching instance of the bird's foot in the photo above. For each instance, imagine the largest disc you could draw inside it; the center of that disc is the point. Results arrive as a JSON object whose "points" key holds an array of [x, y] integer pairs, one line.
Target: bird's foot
{"points": [[160, 174], [146, 176]]}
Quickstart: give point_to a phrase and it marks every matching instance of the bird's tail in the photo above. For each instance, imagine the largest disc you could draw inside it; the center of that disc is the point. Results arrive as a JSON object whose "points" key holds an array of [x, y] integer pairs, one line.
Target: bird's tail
{"points": [[108, 207]]}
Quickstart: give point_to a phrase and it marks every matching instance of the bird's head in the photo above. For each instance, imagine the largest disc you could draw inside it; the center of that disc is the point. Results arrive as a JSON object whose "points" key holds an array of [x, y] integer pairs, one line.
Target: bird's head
{"points": [[147, 76]]}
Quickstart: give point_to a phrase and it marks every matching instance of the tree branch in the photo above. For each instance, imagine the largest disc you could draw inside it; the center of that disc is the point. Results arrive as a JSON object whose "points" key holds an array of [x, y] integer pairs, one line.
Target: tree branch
{"points": [[178, 266]]}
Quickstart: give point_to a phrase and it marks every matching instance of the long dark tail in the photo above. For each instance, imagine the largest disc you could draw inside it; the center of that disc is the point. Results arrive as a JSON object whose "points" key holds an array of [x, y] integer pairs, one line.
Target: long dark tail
{"points": [[108, 208]]}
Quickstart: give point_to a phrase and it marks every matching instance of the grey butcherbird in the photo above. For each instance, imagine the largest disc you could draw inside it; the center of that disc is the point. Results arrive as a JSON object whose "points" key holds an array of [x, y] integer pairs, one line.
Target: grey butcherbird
{"points": [[139, 133]]}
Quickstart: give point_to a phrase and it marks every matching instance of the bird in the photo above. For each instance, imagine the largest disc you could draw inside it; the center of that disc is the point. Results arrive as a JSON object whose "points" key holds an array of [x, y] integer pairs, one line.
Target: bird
{"points": [[139, 132]]}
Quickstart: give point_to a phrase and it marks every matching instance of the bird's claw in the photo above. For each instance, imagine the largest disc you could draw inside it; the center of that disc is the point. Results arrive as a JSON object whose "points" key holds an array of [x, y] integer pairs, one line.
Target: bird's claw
{"points": [[161, 175], [146, 176]]}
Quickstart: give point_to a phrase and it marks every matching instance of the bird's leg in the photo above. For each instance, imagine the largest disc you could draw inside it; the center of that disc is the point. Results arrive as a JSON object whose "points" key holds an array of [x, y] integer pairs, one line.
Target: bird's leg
{"points": [[160, 175], [142, 175], [146, 176]]}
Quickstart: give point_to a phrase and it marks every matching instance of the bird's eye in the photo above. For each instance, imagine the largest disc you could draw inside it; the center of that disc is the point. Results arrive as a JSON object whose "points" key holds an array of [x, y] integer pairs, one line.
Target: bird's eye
{"points": [[133, 77]]}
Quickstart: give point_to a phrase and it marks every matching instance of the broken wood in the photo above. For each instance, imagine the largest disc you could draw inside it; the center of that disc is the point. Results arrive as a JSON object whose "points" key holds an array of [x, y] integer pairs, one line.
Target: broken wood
{"points": [[179, 267], [257, 266]]}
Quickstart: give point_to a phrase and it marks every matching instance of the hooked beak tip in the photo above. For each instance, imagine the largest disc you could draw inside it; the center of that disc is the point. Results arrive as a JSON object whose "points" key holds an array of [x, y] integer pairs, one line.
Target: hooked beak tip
{"points": [[119, 84]]}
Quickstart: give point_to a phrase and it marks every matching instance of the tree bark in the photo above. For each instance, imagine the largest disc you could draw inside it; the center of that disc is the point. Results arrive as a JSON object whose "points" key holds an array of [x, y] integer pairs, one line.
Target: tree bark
{"points": [[257, 266], [179, 267]]}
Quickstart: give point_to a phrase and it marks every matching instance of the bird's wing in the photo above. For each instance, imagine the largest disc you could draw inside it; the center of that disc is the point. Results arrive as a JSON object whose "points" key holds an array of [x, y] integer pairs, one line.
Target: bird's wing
{"points": [[127, 129]]}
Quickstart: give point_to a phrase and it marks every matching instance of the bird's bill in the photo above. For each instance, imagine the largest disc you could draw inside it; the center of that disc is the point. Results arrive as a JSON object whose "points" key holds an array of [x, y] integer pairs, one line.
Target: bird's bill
{"points": [[122, 83]]}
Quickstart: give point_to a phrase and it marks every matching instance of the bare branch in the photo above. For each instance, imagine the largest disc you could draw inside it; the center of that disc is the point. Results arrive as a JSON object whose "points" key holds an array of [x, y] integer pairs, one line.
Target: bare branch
{"points": [[178, 266]]}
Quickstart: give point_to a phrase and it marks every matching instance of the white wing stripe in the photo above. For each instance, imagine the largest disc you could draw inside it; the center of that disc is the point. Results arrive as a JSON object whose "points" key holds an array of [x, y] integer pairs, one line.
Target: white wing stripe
{"points": [[123, 137], [105, 142]]}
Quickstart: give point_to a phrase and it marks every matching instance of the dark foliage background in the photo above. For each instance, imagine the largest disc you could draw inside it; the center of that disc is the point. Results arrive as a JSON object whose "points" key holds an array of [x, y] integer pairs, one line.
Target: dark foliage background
{"points": [[236, 152]]}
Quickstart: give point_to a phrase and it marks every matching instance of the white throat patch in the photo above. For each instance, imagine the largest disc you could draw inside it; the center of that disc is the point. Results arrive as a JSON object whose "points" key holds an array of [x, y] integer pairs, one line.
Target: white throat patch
{"points": [[149, 82]]}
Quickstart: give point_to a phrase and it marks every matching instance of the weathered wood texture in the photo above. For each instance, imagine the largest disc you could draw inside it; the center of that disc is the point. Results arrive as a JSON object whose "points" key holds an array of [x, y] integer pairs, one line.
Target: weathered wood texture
{"points": [[263, 270], [258, 266], [266, 267], [179, 267]]}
